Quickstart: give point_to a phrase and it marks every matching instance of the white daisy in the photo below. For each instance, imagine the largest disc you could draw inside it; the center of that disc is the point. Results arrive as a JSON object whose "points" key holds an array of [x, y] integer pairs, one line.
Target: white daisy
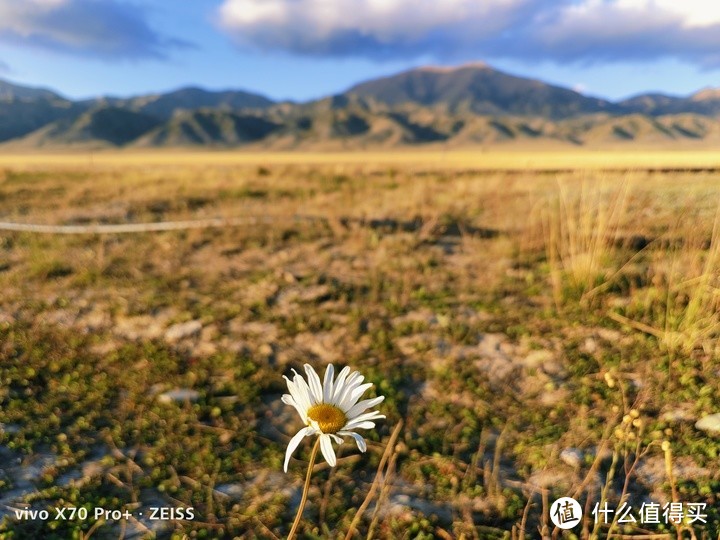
{"points": [[331, 409]]}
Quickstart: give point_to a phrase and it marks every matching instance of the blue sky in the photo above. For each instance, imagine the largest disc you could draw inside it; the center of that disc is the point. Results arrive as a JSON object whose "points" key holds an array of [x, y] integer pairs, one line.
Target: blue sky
{"points": [[302, 49]]}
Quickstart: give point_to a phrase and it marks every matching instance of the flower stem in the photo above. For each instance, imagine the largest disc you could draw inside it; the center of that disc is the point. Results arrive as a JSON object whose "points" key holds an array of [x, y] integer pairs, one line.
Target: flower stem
{"points": [[303, 500]]}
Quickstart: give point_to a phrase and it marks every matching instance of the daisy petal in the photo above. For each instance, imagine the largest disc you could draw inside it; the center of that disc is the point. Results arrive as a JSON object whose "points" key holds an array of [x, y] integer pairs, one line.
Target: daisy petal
{"points": [[339, 385], [360, 425], [362, 446], [353, 381], [358, 408], [327, 450], [328, 384], [294, 442], [291, 387], [304, 391], [350, 385], [314, 383], [298, 395], [351, 398], [372, 415], [289, 400], [336, 438]]}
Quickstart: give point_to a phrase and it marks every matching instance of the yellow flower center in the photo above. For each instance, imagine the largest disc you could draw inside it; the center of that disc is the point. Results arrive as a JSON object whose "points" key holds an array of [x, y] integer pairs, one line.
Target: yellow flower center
{"points": [[330, 419]]}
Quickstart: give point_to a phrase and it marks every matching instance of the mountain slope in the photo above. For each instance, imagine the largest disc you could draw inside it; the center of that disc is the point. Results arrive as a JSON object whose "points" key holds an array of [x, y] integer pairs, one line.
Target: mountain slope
{"points": [[24, 109], [208, 127], [479, 89], [164, 106], [20, 117], [12, 92], [104, 126], [651, 103], [39, 117], [463, 106], [705, 102]]}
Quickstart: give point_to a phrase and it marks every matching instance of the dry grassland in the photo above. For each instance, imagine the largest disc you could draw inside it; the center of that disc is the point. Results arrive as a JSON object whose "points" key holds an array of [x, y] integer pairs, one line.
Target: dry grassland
{"points": [[542, 324]]}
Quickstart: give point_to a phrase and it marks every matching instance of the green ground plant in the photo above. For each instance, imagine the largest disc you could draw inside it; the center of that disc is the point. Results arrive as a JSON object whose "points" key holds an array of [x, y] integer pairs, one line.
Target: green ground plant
{"points": [[512, 318]]}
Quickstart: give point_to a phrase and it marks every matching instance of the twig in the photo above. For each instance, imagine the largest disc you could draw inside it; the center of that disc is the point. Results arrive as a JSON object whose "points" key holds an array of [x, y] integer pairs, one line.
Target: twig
{"points": [[303, 500], [387, 480], [634, 324], [149, 227], [388, 450]]}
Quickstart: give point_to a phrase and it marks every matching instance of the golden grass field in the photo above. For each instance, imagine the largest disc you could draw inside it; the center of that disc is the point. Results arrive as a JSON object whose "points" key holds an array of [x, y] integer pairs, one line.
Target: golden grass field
{"points": [[494, 158], [542, 324]]}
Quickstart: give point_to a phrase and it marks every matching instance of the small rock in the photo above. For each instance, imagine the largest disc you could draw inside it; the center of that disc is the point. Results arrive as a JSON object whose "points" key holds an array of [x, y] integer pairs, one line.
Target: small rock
{"points": [[496, 358], [78, 476], [266, 349], [411, 345], [289, 277], [94, 320], [179, 395], [589, 346], [315, 293], [611, 336], [233, 491], [104, 347], [320, 344], [183, 330], [491, 343], [60, 317], [296, 294], [710, 423], [261, 293], [209, 333], [677, 415], [636, 380], [402, 502], [652, 472], [572, 456], [239, 326], [559, 477], [552, 396], [142, 327], [9, 428], [537, 358], [204, 349], [498, 369]]}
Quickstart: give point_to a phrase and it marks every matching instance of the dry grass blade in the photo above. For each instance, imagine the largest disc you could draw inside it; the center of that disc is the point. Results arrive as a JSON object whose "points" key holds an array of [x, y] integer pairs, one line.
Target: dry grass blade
{"points": [[580, 225], [636, 325], [384, 493], [376, 482]]}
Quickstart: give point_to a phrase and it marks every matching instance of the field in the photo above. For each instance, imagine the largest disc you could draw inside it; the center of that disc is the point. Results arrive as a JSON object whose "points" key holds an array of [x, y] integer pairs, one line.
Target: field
{"points": [[542, 325]]}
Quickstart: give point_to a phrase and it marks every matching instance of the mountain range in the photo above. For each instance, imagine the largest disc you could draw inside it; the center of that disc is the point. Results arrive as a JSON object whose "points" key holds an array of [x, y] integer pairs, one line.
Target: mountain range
{"points": [[468, 105]]}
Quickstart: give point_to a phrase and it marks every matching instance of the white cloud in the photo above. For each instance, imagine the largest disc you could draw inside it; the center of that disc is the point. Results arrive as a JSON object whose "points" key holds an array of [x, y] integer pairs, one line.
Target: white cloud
{"points": [[598, 30], [330, 26], [560, 30], [692, 13], [48, 3], [101, 28]]}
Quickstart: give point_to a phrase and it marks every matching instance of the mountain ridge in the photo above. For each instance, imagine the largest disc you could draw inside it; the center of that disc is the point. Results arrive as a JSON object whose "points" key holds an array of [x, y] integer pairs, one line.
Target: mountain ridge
{"points": [[472, 104], [11, 91], [479, 89]]}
